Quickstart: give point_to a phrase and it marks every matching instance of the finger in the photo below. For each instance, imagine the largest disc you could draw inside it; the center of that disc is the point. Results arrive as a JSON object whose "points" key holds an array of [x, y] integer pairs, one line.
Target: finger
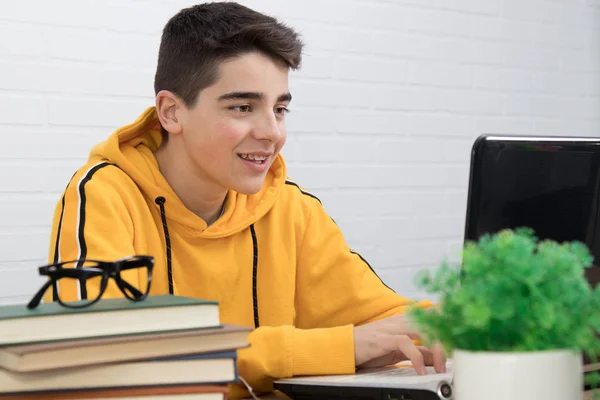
{"points": [[401, 331], [400, 324], [406, 346], [427, 355], [439, 358], [391, 358], [434, 357]]}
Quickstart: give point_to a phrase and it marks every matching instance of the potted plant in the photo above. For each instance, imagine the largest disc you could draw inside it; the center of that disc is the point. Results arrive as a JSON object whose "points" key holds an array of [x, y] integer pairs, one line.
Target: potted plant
{"points": [[515, 317]]}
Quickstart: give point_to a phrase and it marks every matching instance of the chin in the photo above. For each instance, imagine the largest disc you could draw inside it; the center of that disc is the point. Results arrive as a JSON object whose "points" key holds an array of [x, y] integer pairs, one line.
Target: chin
{"points": [[249, 187]]}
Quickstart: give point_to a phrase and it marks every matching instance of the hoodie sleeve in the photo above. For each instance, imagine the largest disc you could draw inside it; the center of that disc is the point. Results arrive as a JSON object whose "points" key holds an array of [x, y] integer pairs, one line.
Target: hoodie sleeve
{"points": [[335, 284], [336, 289], [91, 221]]}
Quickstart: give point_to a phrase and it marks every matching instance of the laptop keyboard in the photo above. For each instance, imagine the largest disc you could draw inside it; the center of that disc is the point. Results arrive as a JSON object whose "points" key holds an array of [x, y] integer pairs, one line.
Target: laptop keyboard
{"points": [[392, 373]]}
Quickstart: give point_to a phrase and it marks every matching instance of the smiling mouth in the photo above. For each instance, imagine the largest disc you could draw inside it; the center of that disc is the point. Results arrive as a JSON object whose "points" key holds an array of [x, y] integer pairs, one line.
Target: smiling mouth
{"points": [[253, 158]]}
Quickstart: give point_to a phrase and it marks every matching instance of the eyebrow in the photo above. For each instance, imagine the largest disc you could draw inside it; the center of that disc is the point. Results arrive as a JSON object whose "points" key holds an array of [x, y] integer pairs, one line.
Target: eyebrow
{"points": [[251, 96], [285, 97]]}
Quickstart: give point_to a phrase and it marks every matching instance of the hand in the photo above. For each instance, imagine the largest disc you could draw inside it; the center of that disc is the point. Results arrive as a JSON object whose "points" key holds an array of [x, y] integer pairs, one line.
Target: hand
{"points": [[390, 341]]}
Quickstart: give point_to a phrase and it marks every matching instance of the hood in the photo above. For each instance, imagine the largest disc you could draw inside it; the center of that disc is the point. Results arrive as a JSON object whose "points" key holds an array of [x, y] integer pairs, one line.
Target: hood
{"points": [[132, 149]]}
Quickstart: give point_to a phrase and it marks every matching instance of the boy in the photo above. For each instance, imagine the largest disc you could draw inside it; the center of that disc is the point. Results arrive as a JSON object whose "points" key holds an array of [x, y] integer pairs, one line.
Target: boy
{"points": [[197, 181]]}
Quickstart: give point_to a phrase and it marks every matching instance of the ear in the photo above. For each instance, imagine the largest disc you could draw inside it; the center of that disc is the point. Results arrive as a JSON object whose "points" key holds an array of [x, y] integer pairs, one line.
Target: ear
{"points": [[167, 107]]}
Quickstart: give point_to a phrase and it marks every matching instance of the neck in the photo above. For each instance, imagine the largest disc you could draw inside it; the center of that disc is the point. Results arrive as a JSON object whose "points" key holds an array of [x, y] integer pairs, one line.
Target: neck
{"points": [[201, 196]]}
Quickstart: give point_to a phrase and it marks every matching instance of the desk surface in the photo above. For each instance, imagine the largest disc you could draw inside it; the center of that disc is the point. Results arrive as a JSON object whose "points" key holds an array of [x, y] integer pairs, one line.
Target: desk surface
{"points": [[586, 396]]}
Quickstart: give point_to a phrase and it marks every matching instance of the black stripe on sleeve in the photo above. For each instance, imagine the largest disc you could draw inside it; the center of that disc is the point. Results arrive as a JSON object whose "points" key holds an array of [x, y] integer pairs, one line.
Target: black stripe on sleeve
{"points": [[302, 190], [55, 258], [81, 227], [372, 270]]}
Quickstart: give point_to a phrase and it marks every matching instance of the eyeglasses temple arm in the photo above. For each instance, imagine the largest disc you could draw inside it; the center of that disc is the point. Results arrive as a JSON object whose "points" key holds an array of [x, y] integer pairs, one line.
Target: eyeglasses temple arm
{"points": [[131, 288], [35, 301]]}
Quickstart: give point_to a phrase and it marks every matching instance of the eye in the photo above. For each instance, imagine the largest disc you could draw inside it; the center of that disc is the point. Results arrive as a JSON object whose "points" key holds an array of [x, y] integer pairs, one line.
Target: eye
{"points": [[244, 108], [281, 110]]}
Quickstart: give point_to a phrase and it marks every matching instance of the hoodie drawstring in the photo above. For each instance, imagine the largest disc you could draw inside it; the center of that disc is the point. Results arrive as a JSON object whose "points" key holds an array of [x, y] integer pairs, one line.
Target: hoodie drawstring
{"points": [[161, 203], [254, 276]]}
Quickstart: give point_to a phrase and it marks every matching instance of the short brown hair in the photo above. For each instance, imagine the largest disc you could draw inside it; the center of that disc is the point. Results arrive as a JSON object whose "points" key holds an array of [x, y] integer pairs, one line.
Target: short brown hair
{"points": [[198, 38]]}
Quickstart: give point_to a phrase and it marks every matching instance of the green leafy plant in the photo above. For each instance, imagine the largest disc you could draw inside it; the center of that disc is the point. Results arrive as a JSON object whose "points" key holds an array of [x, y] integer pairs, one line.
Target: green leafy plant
{"points": [[514, 293]]}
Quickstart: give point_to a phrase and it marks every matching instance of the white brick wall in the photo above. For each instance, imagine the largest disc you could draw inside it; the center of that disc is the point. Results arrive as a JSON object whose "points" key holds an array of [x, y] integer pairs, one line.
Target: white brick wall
{"points": [[390, 97]]}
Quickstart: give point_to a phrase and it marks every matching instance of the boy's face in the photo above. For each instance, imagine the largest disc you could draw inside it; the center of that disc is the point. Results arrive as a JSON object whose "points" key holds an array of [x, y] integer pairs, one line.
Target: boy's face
{"points": [[237, 127]]}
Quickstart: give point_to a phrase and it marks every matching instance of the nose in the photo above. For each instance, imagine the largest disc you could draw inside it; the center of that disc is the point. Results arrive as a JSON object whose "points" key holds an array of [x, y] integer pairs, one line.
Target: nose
{"points": [[268, 128]]}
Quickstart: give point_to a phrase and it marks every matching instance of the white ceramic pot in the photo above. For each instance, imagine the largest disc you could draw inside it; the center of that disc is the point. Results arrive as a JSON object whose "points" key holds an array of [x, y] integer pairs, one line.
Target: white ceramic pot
{"points": [[543, 375]]}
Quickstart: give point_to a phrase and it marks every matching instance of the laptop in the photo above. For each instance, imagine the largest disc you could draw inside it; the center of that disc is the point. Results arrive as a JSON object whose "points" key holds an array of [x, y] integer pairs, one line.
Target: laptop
{"points": [[397, 382], [550, 184]]}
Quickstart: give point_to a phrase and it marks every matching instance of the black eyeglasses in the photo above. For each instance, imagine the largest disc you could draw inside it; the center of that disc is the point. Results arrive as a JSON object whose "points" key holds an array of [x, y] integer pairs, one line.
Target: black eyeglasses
{"points": [[97, 273]]}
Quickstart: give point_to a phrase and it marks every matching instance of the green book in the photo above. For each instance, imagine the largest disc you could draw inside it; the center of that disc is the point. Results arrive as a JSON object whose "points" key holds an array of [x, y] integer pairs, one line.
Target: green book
{"points": [[110, 317]]}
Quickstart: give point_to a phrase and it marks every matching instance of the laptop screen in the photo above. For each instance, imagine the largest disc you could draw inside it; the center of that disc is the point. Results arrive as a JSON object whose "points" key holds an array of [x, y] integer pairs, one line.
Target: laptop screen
{"points": [[548, 184]]}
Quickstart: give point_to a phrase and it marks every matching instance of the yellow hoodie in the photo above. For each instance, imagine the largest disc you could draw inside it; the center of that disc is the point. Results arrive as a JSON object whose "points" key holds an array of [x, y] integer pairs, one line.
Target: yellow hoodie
{"points": [[274, 260]]}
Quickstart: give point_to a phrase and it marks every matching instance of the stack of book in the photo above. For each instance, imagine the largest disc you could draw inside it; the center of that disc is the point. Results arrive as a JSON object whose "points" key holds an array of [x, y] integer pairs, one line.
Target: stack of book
{"points": [[165, 347]]}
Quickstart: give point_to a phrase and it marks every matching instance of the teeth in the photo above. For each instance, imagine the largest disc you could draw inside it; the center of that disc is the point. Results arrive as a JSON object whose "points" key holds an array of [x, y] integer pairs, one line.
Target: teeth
{"points": [[253, 157]]}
